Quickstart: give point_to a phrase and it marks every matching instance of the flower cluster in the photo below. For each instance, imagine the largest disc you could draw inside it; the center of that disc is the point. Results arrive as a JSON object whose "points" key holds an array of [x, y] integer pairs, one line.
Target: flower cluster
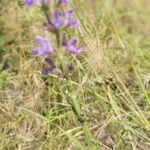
{"points": [[60, 19]]}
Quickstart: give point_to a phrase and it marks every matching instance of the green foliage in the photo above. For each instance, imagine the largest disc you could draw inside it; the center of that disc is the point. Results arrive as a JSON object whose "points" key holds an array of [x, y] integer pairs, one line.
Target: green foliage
{"points": [[5, 78]]}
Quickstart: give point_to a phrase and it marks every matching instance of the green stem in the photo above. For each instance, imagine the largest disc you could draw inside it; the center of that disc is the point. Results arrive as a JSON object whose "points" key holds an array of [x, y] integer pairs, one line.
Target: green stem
{"points": [[57, 33]]}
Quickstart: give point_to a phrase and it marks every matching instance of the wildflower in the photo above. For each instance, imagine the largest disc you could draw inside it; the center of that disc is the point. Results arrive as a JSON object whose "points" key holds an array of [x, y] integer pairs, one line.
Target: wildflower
{"points": [[29, 2], [51, 68], [60, 20], [44, 48], [71, 45], [57, 20], [69, 20], [63, 1], [32, 2]]}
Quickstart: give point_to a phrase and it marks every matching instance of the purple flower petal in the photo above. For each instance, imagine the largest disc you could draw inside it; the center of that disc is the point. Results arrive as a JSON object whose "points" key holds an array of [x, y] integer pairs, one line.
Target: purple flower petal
{"points": [[32, 2], [69, 20], [51, 68], [71, 45], [36, 50], [73, 49], [47, 70], [73, 41], [57, 20], [50, 62], [75, 22], [44, 48], [63, 1], [29, 2]]}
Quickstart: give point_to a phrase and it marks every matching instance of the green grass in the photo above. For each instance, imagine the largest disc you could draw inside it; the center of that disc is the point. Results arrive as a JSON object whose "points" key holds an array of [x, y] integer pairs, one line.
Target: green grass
{"points": [[103, 104]]}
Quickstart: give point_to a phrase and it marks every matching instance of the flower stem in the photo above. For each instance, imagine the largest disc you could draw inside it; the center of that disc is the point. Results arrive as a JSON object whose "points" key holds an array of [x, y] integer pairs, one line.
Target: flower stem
{"points": [[57, 33]]}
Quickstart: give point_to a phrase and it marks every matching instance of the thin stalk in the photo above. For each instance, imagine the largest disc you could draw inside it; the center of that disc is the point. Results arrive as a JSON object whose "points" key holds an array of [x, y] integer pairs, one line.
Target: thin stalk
{"points": [[57, 34]]}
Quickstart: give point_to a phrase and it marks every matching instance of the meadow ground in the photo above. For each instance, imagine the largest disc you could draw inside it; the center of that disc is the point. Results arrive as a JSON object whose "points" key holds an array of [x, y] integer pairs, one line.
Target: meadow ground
{"points": [[103, 104]]}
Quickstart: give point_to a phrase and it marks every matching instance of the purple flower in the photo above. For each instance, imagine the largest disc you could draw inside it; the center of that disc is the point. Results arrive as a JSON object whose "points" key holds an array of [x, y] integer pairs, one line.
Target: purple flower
{"points": [[51, 68], [71, 44], [44, 48], [29, 2], [32, 2], [69, 20], [57, 21], [63, 1]]}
